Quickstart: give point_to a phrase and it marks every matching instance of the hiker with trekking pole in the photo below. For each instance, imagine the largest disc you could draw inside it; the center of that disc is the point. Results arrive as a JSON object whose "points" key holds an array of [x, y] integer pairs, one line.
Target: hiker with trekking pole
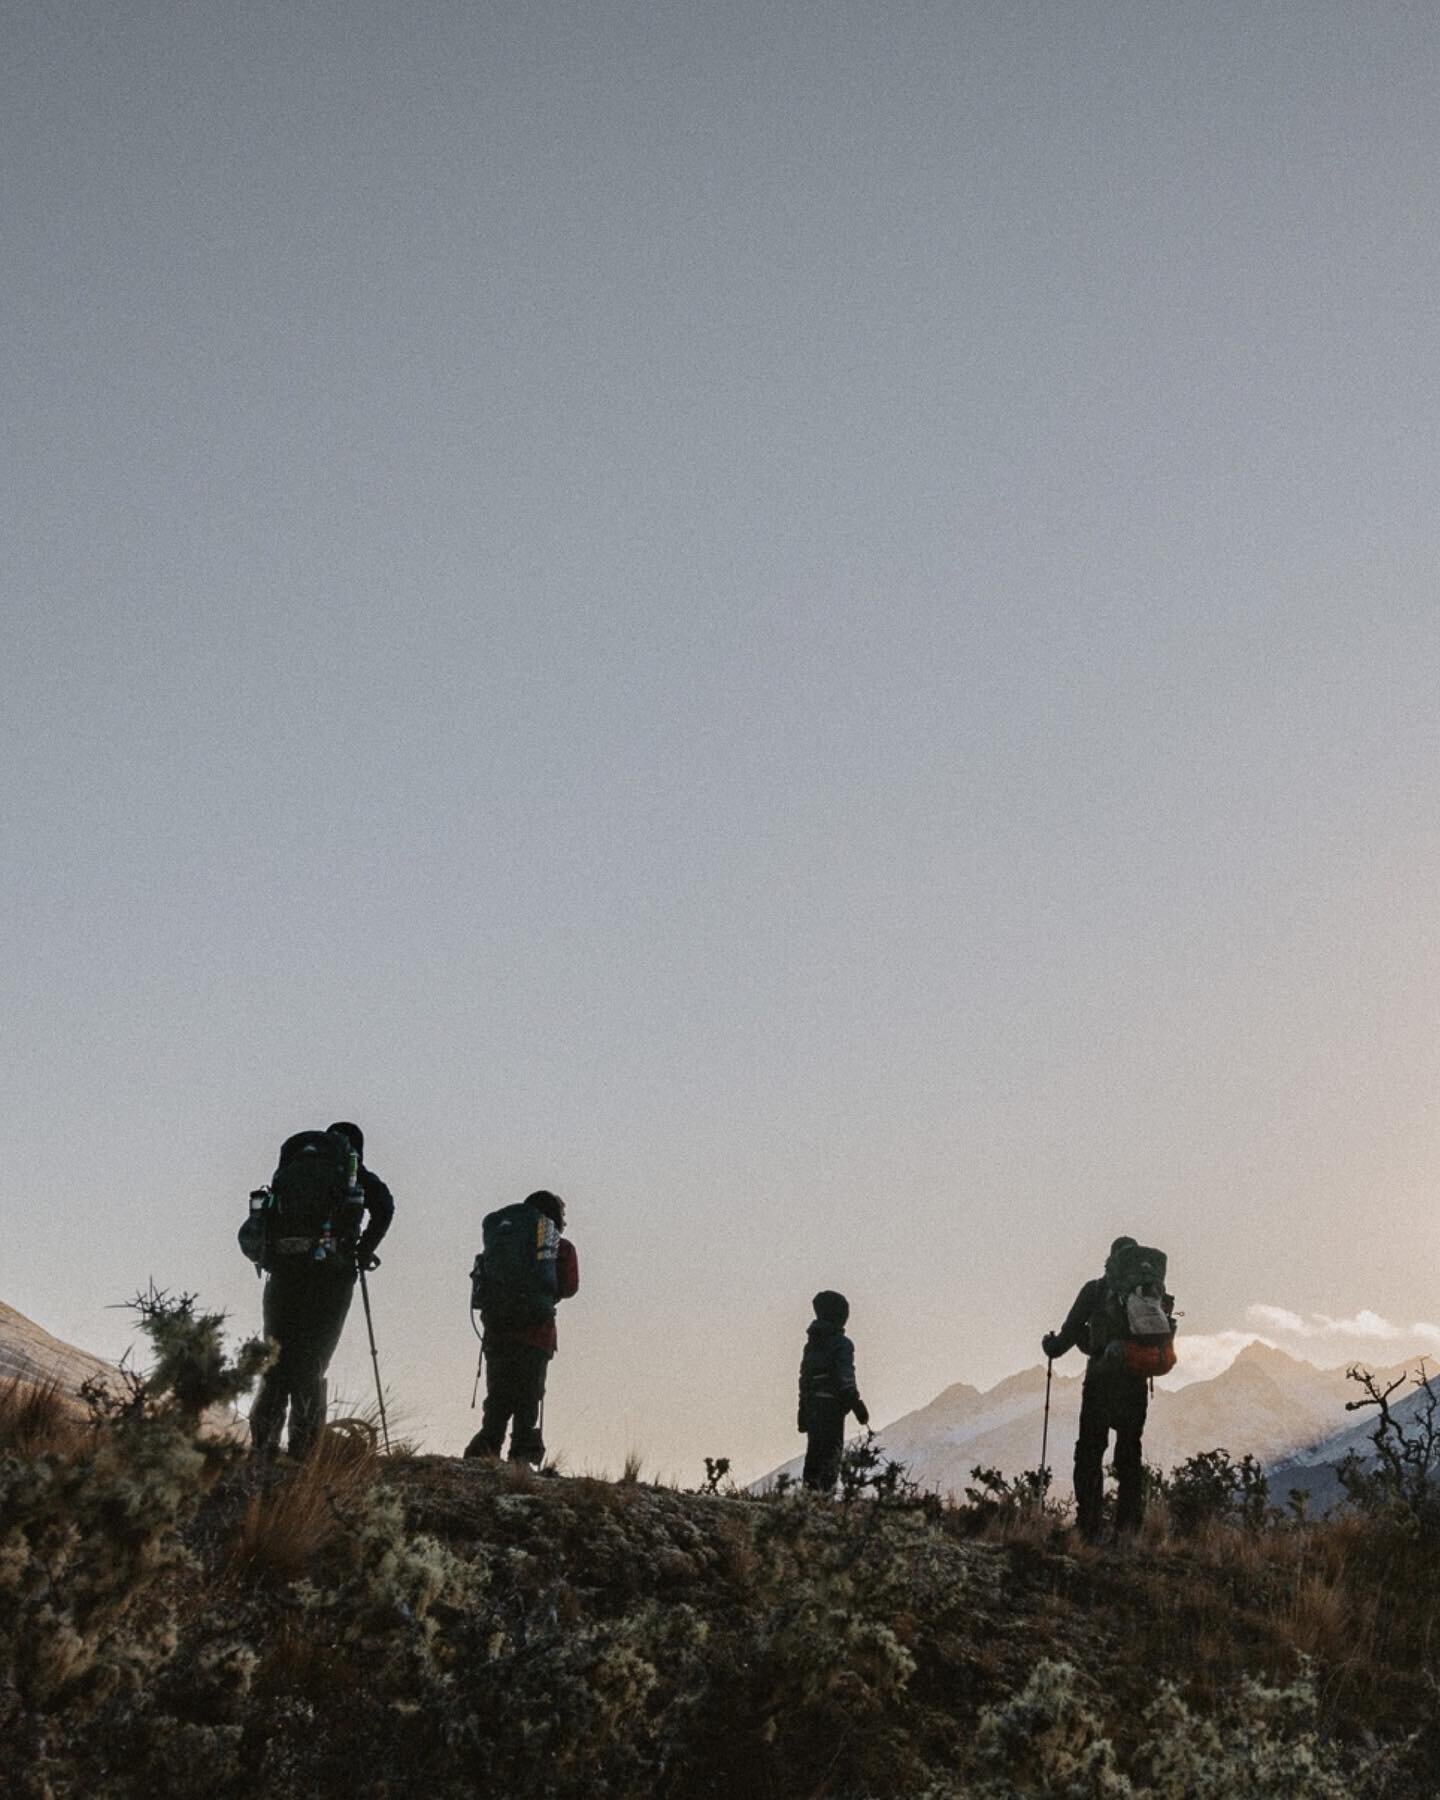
{"points": [[1125, 1323], [525, 1268], [312, 1233]]}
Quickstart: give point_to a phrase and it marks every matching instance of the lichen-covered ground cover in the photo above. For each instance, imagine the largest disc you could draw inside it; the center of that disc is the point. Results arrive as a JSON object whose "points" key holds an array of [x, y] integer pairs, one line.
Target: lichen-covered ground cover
{"points": [[175, 1618]]}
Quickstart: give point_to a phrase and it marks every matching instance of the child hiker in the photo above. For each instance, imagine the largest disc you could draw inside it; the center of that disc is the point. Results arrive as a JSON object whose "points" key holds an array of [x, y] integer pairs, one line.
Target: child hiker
{"points": [[827, 1390]]}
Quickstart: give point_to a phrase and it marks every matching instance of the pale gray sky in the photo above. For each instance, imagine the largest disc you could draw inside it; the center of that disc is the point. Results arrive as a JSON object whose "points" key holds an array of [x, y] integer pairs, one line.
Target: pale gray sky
{"points": [[815, 624]]}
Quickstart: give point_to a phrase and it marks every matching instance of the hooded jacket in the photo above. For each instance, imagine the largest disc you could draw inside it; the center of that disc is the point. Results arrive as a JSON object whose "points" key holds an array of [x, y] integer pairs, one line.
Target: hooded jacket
{"points": [[827, 1367]]}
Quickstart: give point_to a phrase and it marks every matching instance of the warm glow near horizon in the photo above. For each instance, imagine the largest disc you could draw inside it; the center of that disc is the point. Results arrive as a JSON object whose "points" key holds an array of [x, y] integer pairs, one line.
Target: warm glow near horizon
{"points": [[816, 628]]}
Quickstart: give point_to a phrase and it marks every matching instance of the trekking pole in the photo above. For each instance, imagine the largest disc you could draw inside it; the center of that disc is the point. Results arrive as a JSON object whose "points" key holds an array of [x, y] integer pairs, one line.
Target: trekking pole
{"points": [[375, 1359], [479, 1360], [1045, 1433]]}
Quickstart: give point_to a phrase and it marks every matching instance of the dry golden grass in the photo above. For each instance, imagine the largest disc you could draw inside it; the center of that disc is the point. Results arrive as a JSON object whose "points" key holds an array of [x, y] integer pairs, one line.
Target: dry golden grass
{"points": [[1317, 1616], [1005, 1526], [288, 1522], [1224, 1603], [631, 1467], [1330, 1608], [37, 1418], [1230, 1547], [1336, 1543]]}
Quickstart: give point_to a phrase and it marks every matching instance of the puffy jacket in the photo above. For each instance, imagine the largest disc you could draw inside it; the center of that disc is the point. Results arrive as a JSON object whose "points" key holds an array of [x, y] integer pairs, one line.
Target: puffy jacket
{"points": [[827, 1368]]}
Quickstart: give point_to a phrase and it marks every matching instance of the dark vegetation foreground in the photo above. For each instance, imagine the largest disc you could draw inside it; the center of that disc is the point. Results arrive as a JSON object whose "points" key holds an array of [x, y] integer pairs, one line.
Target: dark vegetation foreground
{"points": [[175, 1618]]}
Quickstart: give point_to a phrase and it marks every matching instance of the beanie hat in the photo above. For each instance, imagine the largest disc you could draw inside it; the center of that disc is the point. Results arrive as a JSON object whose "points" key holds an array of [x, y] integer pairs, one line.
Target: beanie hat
{"points": [[832, 1307], [550, 1204], [352, 1135]]}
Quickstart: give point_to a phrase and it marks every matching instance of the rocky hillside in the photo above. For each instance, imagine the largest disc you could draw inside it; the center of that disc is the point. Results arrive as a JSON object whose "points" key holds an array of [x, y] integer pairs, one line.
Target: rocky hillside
{"points": [[177, 1619]]}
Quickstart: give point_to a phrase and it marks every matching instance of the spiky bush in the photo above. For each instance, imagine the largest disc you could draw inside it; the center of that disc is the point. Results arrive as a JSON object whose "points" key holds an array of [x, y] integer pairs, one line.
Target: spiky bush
{"points": [[90, 1532]]}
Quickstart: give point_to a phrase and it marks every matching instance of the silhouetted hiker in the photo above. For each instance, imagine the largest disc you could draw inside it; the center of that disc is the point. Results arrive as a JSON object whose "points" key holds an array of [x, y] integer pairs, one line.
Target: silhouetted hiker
{"points": [[1123, 1321], [524, 1271], [379, 1201], [313, 1229], [827, 1390]]}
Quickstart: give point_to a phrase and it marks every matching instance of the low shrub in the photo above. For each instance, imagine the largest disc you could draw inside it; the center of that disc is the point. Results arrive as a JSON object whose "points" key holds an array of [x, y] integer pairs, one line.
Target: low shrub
{"points": [[1211, 1489]]}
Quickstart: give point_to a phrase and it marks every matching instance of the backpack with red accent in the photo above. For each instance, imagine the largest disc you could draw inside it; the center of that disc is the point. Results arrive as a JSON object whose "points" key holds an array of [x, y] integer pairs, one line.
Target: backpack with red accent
{"points": [[1135, 1328], [514, 1283]]}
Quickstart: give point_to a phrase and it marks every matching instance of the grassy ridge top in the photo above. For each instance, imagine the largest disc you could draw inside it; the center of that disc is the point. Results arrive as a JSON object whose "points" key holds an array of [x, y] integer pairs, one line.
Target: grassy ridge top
{"points": [[177, 1618]]}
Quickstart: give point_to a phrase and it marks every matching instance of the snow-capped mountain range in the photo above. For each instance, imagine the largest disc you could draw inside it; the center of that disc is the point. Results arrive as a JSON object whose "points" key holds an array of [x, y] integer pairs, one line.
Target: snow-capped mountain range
{"points": [[1315, 1469]]}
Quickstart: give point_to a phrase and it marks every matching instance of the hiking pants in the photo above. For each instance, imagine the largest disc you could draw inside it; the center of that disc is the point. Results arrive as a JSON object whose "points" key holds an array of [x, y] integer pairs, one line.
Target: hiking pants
{"points": [[514, 1392], [1109, 1403], [824, 1443], [305, 1307]]}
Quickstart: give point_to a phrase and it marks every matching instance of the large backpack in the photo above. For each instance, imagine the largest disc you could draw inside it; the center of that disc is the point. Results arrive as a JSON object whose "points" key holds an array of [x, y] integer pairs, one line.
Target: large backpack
{"points": [[1135, 1327], [310, 1188], [312, 1206], [514, 1283]]}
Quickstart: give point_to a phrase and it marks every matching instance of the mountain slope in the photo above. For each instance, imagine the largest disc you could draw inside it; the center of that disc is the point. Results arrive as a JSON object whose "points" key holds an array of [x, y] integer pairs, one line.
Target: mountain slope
{"points": [[28, 1353]]}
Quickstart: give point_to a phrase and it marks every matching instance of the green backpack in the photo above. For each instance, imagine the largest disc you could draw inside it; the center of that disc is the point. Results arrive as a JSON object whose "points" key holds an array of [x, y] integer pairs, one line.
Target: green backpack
{"points": [[1134, 1329], [514, 1282]]}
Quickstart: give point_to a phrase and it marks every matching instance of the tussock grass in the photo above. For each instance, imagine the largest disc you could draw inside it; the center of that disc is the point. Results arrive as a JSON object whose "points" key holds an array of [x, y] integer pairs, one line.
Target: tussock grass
{"points": [[630, 1469], [1316, 1617], [38, 1418], [301, 1509]]}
